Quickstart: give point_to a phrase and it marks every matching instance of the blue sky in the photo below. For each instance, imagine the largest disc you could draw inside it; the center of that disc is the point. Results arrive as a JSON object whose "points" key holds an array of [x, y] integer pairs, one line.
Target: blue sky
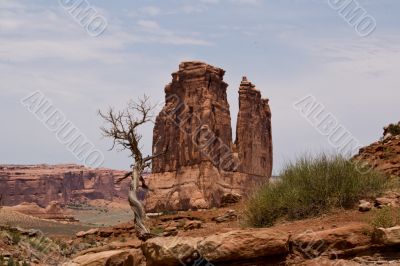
{"points": [[288, 48]]}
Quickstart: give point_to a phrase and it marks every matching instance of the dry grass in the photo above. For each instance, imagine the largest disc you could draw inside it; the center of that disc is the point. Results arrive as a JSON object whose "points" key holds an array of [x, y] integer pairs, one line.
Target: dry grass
{"points": [[386, 217], [311, 187]]}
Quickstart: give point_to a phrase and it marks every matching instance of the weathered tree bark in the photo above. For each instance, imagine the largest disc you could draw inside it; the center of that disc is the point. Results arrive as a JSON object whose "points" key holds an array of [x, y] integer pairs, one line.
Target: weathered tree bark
{"points": [[136, 205], [122, 129]]}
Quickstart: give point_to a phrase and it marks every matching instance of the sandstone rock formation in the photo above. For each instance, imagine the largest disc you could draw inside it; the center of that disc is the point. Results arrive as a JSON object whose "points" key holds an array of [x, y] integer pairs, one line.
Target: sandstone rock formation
{"points": [[43, 184], [237, 245], [131, 257], [253, 139], [387, 236], [383, 155], [198, 161], [195, 124]]}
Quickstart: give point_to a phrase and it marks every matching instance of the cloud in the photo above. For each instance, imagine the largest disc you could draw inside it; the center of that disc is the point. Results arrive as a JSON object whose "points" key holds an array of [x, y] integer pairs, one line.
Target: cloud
{"points": [[148, 24], [246, 2], [55, 35], [210, 1], [150, 31], [150, 11]]}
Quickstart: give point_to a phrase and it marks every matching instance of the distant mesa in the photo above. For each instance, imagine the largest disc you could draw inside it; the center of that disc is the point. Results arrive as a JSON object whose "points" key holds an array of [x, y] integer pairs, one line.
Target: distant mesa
{"points": [[199, 161], [43, 184]]}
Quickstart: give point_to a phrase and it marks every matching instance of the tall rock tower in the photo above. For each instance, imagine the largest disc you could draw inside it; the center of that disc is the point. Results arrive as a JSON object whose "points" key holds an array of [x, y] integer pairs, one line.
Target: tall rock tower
{"points": [[198, 163], [195, 124], [253, 132]]}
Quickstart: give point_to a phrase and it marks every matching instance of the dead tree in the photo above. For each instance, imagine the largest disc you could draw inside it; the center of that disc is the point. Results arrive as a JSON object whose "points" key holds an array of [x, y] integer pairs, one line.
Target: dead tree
{"points": [[122, 127]]}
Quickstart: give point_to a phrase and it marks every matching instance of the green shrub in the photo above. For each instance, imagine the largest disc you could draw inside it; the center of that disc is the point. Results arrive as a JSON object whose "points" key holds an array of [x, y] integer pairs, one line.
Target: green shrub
{"points": [[386, 217], [310, 187], [157, 230], [11, 262], [15, 237], [394, 129]]}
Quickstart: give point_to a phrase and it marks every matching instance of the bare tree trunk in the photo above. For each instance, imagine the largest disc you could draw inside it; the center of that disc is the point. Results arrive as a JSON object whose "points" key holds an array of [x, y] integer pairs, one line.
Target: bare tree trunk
{"points": [[136, 205]]}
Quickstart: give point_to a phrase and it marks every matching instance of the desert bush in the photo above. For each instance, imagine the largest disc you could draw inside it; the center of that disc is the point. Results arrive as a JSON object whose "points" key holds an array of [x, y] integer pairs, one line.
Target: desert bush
{"points": [[15, 237], [157, 230], [386, 217], [394, 129], [11, 262], [310, 187]]}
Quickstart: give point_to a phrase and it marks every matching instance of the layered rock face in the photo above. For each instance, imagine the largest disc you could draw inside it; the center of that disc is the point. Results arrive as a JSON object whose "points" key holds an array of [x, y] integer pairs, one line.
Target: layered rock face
{"points": [[254, 138], [43, 184], [384, 155], [198, 162], [195, 124]]}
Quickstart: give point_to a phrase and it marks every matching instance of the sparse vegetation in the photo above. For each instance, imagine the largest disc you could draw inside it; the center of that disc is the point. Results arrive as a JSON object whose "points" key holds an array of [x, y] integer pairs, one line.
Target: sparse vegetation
{"points": [[386, 217], [11, 262], [157, 230], [394, 129], [15, 237], [310, 187]]}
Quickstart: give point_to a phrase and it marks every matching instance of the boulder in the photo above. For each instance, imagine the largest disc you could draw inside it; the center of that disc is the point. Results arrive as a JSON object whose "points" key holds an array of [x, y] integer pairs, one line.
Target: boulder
{"points": [[128, 257], [328, 262], [387, 236], [230, 198], [244, 245], [93, 231], [364, 206], [169, 251], [225, 247], [170, 231], [229, 216], [192, 225], [386, 201], [314, 243]]}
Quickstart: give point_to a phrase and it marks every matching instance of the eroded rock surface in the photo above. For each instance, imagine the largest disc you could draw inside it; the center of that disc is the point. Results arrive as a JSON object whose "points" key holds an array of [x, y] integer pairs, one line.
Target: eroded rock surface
{"points": [[383, 155], [198, 162], [196, 112], [254, 138], [42, 184]]}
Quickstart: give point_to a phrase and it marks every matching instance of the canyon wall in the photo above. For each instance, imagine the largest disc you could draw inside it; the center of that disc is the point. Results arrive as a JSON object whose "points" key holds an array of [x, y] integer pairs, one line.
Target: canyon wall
{"points": [[198, 162], [43, 184]]}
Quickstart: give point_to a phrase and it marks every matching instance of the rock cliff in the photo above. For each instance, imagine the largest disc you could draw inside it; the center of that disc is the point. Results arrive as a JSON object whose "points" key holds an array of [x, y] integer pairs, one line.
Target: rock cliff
{"points": [[253, 133], [198, 162], [43, 184], [384, 155], [195, 124]]}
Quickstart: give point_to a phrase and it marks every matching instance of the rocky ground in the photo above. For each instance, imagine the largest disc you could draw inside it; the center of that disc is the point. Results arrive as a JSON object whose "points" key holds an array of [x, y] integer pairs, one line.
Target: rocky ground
{"points": [[100, 232], [218, 236], [383, 155]]}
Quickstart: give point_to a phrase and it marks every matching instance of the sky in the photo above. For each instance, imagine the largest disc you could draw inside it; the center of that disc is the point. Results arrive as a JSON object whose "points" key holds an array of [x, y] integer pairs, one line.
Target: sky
{"points": [[288, 48]]}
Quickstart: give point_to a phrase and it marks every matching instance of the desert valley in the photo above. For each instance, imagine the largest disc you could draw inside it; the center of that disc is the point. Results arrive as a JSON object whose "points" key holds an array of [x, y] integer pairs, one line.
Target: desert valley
{"points": [[199, 133], [201, 193]]}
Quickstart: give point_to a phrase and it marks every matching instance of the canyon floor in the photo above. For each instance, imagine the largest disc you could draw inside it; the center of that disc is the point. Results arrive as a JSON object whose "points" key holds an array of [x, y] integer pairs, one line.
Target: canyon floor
{"points": [[101, 232], [105, 235]]}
